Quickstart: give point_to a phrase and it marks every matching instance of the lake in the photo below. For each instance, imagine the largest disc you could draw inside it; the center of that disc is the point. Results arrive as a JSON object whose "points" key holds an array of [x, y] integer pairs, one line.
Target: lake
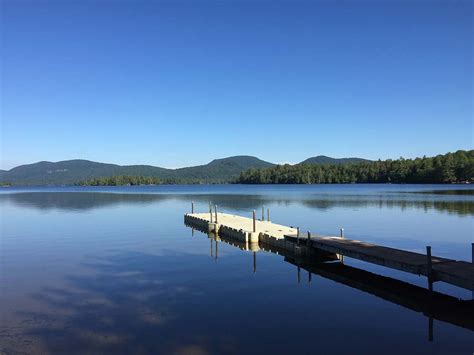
{"points": [[115, 270]]}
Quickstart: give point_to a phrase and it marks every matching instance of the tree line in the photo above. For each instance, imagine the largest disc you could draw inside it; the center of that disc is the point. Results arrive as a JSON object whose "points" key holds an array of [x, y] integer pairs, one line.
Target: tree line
{"points": [[124, 180], [447, 168]]}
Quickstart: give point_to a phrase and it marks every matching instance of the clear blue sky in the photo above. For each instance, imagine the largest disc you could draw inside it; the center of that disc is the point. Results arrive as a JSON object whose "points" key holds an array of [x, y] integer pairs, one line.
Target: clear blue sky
{"points": [[183, 82]]}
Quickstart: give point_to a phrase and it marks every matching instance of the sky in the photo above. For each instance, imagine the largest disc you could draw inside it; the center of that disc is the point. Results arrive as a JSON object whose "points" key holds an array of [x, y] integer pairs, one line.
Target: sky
{"points": [[179, 83]]}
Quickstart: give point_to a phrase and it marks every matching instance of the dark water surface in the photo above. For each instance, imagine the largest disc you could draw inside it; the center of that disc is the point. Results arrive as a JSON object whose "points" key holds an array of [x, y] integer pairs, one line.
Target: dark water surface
{"points": [[115, 270]]}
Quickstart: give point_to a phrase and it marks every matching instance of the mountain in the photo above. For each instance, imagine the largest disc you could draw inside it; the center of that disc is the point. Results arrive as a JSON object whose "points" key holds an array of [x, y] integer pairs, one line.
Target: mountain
{"points": [[72, 171], [324, 160], [222, 169]]}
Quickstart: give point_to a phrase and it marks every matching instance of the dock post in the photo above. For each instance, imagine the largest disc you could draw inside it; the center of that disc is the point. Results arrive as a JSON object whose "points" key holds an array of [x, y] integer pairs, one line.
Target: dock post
{"points": [[192, 206], [429, 266], [215, 209], [210, 212], [268, 219], [254, 222], [341, 258], [263, 213], [308, 241], [297, 235]]}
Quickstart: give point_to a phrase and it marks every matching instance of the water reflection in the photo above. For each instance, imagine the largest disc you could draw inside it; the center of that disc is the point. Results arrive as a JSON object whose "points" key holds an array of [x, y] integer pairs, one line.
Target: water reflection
{"points": [[432, 304], [468, 192], [73, 201], [129, 305], [129, 279], [138, 302]]}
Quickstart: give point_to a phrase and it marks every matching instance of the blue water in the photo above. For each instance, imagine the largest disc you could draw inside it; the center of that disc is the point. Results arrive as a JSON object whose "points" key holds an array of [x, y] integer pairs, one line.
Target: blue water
{"points": [[115, 270]]}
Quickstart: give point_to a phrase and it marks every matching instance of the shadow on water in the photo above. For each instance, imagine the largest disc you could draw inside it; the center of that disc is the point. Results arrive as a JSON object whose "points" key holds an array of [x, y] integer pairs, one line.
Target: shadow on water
{"points": [[84, 201]]}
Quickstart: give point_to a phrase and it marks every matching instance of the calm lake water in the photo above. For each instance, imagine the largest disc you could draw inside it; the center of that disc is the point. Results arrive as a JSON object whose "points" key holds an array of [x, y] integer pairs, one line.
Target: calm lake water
{"points": [[115, 270]]}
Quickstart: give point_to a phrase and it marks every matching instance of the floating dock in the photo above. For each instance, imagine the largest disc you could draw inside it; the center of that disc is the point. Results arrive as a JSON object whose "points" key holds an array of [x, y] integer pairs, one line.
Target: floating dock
{"points": [[289, 239]]}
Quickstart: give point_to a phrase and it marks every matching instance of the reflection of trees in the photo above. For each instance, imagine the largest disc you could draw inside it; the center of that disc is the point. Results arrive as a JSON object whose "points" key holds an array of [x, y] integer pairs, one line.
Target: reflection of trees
{"points": [[90, 200], [454, 207], [75, 201]]}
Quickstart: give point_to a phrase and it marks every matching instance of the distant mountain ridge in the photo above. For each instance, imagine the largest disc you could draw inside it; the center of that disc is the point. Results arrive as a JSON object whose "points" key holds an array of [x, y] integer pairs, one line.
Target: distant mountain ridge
{"points": [[325, 160], [69, 172], [72, 171]]}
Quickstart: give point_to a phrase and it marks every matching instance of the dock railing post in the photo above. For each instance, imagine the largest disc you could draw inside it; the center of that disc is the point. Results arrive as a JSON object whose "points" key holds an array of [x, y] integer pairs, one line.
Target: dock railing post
{"points": [[268, 219], [263, 213], [254, 222], [341, 257], [210, 212], [429, 266], [297, 235], [192, 207], [308, 241], [215, 210]]}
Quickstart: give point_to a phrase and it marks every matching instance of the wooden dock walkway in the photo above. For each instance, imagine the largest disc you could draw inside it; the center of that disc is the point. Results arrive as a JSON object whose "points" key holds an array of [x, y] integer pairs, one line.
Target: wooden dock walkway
{"points": [[251, 230], [459, 273]]}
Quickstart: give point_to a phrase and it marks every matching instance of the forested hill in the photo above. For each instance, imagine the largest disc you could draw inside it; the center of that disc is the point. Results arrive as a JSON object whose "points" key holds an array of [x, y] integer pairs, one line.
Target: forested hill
{"points": [[448, 168], [451, 167], [74, 171], [324, 160]]}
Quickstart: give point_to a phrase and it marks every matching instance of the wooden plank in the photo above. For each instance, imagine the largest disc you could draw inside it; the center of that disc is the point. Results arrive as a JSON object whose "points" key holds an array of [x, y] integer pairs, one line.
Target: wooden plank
{"points": [[459, 273]]}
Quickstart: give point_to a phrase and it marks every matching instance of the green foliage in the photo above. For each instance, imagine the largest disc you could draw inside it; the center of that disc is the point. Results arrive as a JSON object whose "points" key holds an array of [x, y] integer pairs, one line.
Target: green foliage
{"points": [[125, 180], [121, 180], [448, 168], [324, 160]]}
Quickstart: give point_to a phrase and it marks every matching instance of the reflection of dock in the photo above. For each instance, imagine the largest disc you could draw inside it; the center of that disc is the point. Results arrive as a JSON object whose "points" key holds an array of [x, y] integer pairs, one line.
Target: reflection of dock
{"points": [[431, 303], [251, 230], [434, 305]]}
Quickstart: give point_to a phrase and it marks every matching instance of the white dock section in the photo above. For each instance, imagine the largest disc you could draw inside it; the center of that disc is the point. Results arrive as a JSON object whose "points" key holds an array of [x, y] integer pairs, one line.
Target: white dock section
{"points": [[239, 227]]}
